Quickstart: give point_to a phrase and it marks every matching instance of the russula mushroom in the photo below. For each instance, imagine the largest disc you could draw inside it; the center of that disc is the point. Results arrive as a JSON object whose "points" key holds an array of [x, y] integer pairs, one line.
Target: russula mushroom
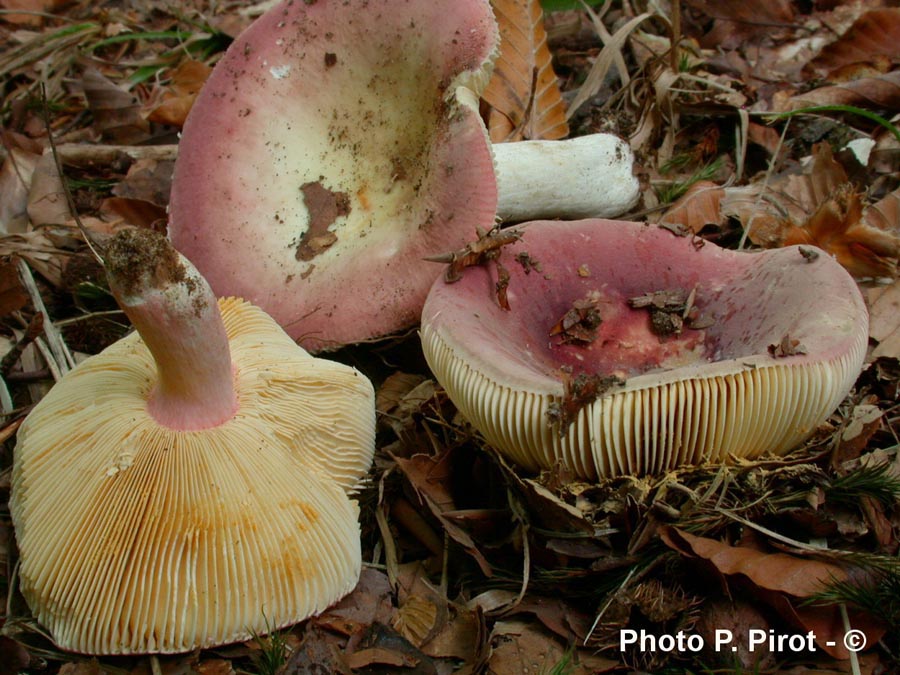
{"points": [[187, 487], [333, 147], [337, 144], [585, 177], [627, 349]]}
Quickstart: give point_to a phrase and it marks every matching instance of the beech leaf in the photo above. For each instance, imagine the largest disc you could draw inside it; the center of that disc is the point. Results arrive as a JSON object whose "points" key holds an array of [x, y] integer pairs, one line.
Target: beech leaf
{"points": [[523, 94]]}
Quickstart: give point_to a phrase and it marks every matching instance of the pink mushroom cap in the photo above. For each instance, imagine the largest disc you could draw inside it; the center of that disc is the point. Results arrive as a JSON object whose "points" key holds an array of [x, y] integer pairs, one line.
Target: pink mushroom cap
{"points": [[333, 147], [780, 338]]}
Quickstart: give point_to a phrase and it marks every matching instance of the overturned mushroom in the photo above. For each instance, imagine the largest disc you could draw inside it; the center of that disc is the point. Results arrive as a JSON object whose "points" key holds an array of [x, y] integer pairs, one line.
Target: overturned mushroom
{"points": [[337, 144], [334, 146], [187, 487], [618, 397]]}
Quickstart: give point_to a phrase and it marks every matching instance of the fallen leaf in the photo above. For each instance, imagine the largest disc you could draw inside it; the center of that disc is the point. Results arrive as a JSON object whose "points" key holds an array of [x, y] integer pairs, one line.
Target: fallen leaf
{"points": [[879, 92], [315, 654], [87, 667], [875, 34], [865, 419], [780, 580], [696, 208], [47, 204], [884, 320], [369, 602], [821, 207], [382, 646], [430, 477], [799, 577], [15, 181], [187, 80], [523, 94], [13, 295], [31, 11], [134, 212], [740, 21], [116, 112], [213, 667], [524, 647]]}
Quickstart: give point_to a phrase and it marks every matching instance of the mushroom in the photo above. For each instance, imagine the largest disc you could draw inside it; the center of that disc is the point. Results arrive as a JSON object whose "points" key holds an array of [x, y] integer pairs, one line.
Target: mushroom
{"points": [[336, 145], [628, 349], [333, 147], [187, 487]]}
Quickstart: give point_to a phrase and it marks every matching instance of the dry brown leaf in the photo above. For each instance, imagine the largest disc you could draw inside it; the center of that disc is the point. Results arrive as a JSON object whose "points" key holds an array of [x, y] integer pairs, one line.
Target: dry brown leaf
{"points": [[393, 389], [13, 295], [430, 477], [116, 112], [522, 647], [380, 656], [47, 204], [464, 637], [149, 180], [873, 37], [865, 420], [187, 80], [822, 208], [89, 667], [369, 602], [15, 180], [882, 91], [416, 619], [31, 10], [523, 93], [798, 577], [884, 320], [699, 206], [315, 654], [214, 667], [739, 21], [780, 580]]}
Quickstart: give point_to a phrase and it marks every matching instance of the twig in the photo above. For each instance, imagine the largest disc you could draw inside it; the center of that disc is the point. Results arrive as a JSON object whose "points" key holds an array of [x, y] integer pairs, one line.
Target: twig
{"points": [[34, 329], [60, 352], [674, 51], [79, 153], [612, 596], [765, 184], [92, 243], [854, 659]]}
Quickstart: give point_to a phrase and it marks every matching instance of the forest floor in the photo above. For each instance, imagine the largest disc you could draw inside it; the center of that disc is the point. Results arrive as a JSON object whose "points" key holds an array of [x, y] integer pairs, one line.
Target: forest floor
{"points": [[772, 123]]}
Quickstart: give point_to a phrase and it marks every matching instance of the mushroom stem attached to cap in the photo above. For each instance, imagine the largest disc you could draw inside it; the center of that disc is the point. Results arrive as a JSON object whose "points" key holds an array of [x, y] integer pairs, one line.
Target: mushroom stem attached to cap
{"points": [[178, 318], [585, 177], [190, 485]]}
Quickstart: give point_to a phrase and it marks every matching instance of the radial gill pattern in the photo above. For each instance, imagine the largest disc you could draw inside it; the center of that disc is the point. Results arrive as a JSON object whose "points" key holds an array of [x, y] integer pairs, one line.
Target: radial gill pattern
{"points": [[647, 428], [135, 538]]}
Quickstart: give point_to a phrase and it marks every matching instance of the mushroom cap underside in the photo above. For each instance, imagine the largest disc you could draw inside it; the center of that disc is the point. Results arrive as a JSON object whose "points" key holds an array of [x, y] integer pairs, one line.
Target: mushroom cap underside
{"points": [[135, 538], [701, 394], [335, 146]]}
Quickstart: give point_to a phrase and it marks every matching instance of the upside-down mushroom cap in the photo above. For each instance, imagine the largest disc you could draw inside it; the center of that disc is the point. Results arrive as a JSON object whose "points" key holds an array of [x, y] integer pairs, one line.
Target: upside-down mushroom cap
{"points": [[779, 338], [334, 146], [145, 527]]}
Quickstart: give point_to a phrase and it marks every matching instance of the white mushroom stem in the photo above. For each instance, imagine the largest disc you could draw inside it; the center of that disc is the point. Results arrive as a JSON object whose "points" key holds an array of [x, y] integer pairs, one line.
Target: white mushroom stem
{"points": [[585, 177], [176, 314]]}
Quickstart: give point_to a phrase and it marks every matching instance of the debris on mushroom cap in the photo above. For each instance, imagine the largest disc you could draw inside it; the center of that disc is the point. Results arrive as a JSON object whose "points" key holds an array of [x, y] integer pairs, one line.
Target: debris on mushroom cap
{"points": [[140, 536], [708, 393], [333, 147]]}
